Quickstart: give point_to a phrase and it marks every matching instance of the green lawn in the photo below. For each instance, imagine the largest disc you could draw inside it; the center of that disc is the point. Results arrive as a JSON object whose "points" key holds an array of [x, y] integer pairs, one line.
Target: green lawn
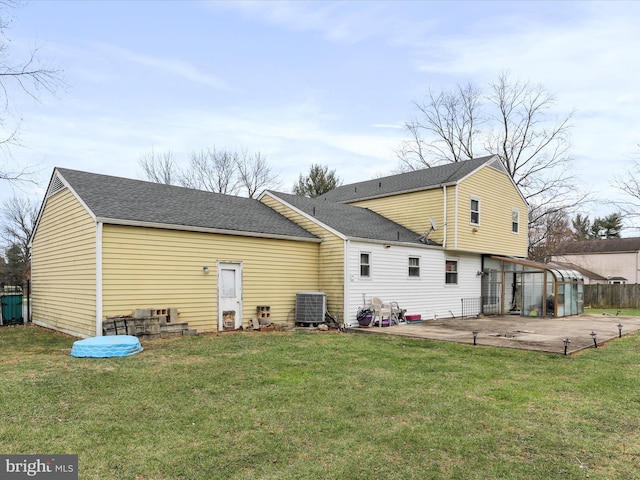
{"points": [[623, 312], [311, 405]]}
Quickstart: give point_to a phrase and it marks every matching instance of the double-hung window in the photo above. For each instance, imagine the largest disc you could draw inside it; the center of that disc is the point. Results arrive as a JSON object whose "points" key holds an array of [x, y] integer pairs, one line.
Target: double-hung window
{"points": [[475, 211], [414, 267], [515, 221], [451, 272], [365, 265]]}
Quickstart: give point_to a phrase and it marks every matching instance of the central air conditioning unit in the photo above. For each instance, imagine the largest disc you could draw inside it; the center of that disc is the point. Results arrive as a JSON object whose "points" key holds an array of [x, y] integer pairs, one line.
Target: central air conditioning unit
{"points": [[310, 308]]}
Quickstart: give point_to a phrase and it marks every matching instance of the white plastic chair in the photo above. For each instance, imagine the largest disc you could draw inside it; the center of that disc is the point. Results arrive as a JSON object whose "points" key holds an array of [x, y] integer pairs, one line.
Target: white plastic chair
{"points": [[381, 310]]}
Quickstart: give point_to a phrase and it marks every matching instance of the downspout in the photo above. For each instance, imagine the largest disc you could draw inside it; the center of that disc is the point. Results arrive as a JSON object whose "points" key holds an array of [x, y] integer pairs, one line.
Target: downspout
{"points": [[455, 215], [345, 298], [444, 220], [99, 226]]}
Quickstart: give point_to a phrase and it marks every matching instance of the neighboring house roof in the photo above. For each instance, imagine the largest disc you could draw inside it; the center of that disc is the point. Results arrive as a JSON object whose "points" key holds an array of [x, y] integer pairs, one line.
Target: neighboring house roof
{"points": [[135, 202], [413, 181], [351, 221], [609, 245], [585, 273]]}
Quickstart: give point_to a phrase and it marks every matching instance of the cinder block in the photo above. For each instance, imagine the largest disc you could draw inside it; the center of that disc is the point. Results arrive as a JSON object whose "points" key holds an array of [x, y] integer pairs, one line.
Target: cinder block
{"points": [[172, 317], [142, 313]]}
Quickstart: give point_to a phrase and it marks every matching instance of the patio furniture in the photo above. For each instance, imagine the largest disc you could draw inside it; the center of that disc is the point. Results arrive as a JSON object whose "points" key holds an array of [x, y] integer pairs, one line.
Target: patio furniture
{"points": [[385, 310]]}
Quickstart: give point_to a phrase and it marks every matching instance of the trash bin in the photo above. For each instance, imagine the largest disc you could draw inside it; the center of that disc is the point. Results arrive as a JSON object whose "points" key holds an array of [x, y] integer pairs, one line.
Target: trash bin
{"points": [[11, 309]]}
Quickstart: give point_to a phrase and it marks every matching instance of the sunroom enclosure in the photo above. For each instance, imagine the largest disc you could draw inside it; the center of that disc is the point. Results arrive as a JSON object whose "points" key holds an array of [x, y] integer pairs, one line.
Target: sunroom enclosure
{"points": [[512, 286]]}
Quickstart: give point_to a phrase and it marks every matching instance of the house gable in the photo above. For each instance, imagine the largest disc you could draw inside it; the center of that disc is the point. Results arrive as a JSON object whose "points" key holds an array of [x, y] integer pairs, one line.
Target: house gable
{"points": [[108, 245], [443, 195], [63, 267], [484, 207]]}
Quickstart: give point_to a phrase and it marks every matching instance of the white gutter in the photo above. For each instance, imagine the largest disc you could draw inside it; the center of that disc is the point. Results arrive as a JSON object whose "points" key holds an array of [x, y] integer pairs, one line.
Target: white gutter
{"points": [[99, 279]]}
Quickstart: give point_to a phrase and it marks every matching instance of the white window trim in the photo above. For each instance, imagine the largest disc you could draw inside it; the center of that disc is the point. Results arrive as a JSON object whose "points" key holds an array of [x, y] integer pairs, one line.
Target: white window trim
{"points": [[516, 211], [457, 272], [479, 211], [419, 267], [364, 277]]}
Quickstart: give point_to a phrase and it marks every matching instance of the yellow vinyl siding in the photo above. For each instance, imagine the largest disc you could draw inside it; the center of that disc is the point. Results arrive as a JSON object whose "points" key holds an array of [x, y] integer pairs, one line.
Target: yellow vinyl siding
{"points": [[157, 268], [498, 198], [64, 266], [331, 257], [412, 210]]}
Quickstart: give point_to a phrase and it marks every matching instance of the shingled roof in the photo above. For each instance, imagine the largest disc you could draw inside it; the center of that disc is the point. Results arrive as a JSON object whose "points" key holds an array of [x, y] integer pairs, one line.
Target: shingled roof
{"points": [[609, 245], [351, 221], [414, 181], [124, 201]]}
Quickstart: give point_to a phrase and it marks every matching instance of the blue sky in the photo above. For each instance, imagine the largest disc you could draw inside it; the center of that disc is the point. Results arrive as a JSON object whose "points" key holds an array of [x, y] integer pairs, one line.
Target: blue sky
{"points": [[312, 82]]}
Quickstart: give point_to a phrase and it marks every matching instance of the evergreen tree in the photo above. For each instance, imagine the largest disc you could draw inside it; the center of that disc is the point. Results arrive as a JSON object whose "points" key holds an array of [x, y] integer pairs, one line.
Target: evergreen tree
{"points": [[319, 181], [607, 227], [581, 227]]}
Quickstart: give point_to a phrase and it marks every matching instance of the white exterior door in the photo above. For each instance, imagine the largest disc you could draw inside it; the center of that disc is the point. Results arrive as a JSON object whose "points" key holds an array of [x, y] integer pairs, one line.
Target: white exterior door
{"points": [[229, 296]]}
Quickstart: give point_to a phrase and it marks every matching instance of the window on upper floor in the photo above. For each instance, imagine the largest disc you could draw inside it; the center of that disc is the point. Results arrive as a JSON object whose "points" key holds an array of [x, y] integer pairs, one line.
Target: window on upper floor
{"points": [[475, 211], [414, 266], [515, 221], [451, 272], [365, 265]]}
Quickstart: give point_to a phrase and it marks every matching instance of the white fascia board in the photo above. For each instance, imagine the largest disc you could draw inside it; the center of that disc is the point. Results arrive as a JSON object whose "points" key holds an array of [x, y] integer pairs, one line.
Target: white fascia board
{"points": [[46, 197]]}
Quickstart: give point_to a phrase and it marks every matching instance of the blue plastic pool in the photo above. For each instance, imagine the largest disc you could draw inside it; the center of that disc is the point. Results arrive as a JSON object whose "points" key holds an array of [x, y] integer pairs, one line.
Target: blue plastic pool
{"points": [[108, 346]]}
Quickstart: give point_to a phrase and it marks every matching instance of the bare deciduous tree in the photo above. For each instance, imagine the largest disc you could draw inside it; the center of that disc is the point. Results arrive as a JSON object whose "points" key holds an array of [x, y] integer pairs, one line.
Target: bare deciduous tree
{"points": [[511, 119], [629, 184], [451, 120], [159, 167], [533, 147], [547, 234], [31, 77], [18, 220], [254, 173], [214, 170]]}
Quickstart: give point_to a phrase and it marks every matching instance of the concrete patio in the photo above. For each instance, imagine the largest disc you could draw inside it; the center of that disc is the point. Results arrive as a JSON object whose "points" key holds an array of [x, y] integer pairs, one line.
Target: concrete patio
{"points": [[527, 333]]}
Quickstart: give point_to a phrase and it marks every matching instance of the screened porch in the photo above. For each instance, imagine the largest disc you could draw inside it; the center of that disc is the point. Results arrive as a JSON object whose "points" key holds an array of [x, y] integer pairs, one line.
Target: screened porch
{"points": [[514, 286]]}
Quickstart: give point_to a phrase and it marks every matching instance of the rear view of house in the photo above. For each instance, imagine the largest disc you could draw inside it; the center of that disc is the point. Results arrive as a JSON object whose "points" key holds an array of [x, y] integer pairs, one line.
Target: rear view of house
{"points": [[104, 246], [445, 241]]}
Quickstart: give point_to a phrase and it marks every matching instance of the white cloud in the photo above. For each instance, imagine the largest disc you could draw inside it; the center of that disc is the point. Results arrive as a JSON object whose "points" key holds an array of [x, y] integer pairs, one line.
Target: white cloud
{"points": [[178, 68], [341, 22]]}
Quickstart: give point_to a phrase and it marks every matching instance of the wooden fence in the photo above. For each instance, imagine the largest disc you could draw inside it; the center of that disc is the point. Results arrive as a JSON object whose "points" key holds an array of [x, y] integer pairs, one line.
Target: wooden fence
{"points": [[612, 296]]}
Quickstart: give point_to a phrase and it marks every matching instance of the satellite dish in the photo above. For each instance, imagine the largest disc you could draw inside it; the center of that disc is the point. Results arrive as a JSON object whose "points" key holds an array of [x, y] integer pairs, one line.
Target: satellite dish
{"points": [[424, 238]]}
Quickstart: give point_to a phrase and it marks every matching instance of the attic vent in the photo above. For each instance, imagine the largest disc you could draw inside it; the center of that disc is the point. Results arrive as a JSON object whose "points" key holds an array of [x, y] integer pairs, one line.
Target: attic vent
{"points": [[56, 186], [379, 184], [496, 164], [310, 308]]}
